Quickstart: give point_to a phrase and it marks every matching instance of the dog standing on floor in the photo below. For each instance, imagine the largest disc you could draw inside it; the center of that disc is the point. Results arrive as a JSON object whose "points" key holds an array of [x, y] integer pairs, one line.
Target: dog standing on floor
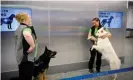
{"points": [[42, 64], [105, 47]]}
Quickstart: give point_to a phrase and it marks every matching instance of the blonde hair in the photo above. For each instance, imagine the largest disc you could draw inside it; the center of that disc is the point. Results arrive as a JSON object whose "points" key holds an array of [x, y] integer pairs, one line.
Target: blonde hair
{"points": [[21, 17]]}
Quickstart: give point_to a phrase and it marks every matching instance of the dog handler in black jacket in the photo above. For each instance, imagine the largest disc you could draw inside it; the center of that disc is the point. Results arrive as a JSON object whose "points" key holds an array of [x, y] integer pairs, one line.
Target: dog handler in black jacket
{"points": [[92, 36], [25, 46]]}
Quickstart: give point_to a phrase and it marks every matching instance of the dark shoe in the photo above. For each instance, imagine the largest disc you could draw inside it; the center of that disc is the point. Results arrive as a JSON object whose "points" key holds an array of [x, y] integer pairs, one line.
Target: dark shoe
{"points": [[91, 70], [98, 71]]}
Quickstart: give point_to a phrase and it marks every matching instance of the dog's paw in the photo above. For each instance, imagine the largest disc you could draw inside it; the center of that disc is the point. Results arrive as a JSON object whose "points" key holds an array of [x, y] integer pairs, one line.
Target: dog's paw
{"points": [[114, 78], [93, 47]]}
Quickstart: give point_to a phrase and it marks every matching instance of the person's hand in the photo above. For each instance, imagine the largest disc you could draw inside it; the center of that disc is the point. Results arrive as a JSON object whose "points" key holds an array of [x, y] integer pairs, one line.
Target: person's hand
{"points": [[93, 38], [30, 49]]}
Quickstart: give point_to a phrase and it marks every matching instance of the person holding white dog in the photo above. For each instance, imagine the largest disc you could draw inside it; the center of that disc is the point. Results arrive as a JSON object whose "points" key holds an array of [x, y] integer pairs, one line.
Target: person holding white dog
{"points": [[92, 36]]}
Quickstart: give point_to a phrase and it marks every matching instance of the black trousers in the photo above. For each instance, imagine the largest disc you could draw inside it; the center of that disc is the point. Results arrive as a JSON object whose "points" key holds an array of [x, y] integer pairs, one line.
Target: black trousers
{"points": [[93, 53], [26, 70]]}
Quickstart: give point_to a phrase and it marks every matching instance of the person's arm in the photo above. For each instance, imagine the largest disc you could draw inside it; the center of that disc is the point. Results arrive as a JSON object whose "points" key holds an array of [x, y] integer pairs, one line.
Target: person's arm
{"points": [[90, 36], [28, 37]]}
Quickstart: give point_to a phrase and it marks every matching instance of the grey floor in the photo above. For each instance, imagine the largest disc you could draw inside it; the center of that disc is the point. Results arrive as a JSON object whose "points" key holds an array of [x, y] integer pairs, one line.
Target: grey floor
{"points": [[121, 76], [57, 76]]}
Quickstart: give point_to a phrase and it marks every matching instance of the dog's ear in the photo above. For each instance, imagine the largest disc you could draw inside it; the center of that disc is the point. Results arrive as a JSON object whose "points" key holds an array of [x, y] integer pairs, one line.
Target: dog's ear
{"points": [[46, 48]]}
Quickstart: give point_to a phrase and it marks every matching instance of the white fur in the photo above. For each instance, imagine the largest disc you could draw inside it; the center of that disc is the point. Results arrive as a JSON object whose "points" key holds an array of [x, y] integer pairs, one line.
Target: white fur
{"points": [[105, 47]]}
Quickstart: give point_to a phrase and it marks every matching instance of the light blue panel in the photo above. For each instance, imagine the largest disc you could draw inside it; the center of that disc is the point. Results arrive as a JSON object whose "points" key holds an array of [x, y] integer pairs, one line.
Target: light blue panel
{"points": [[8, 16], [111, 19]]}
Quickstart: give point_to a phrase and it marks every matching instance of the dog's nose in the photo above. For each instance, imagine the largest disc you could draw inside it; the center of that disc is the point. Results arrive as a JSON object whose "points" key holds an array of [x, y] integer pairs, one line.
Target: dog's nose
{"points": [[55, 52]]}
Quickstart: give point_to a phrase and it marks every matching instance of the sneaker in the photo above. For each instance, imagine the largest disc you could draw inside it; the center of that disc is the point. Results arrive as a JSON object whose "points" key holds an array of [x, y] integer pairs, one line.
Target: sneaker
{"points": [[91, 70]]}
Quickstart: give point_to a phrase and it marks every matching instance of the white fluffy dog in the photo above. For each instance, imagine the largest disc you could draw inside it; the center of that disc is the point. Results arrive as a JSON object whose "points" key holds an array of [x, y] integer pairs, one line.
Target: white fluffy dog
{"points": [[105, 47]]}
